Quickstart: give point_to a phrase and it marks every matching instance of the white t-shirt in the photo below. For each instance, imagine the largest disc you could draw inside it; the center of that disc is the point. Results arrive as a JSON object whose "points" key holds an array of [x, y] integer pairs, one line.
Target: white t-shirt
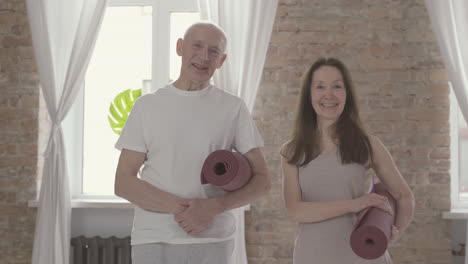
{"points": [[177, 130]]}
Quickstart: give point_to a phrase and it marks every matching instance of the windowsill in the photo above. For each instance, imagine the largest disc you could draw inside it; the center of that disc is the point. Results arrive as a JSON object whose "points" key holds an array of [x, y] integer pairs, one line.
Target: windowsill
{"points": [[456, 214], [107, 203], [94, 203]]}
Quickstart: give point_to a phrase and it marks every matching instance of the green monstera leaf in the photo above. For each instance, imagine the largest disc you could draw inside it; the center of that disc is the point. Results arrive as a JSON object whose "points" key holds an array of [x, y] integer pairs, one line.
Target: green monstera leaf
{"points": [[120, 108]]}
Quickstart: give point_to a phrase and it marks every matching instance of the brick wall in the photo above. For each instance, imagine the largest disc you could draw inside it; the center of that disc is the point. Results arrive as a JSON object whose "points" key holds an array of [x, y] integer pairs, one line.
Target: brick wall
{"points": [[403, 97], [394, 60], [19, 105]]}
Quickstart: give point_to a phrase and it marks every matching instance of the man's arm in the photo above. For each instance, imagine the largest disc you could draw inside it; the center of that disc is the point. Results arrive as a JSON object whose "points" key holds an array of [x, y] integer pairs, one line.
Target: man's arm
{"points": [[200, 212], [258, 185], [139, 192]]}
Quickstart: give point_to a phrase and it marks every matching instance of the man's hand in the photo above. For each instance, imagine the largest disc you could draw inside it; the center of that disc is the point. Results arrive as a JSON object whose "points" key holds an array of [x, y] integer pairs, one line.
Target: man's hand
{"points": [[179, 206], [198, 215]]}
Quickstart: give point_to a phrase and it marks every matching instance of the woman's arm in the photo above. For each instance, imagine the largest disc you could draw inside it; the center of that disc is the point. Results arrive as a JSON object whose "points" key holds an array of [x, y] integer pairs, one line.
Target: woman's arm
{"points": [[388, 173], [301, 211]]}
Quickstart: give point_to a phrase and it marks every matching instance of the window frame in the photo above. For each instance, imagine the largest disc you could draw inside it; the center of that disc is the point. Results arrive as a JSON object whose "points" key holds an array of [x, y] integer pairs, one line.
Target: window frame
{"points": [[73, 125], [459, 199]]}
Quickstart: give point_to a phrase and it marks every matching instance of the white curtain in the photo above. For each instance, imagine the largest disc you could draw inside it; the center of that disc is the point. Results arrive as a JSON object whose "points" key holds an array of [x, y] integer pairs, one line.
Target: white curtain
{"points": [[63, 35], [449, 20], [248, 25]]}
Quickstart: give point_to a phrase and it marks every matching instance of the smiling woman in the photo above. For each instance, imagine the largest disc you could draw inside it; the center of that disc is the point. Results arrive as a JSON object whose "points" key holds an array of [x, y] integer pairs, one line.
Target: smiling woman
{"points": [[324, 167], [328, 93]]}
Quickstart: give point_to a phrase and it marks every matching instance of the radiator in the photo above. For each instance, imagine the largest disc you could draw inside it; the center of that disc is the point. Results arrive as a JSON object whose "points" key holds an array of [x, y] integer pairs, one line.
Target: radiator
{"points": [[98, 250]]}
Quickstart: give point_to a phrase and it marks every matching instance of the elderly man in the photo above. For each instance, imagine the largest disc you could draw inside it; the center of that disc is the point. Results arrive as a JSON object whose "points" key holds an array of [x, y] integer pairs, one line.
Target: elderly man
{"points": [[171, 132]]}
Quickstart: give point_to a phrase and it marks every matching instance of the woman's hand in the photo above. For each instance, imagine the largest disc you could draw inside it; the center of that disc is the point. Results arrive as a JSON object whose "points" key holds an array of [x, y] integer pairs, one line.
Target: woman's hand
{"points": [[395, 234], [371, 199]]}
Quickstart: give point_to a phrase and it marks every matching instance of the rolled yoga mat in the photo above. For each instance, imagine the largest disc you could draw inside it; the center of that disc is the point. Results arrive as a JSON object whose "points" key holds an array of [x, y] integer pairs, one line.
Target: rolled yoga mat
{"points": [[373, 228], [226, 169]]}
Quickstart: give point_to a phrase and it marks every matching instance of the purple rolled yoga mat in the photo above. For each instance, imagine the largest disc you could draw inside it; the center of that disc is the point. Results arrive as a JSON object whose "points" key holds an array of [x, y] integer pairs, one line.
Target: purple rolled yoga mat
{"points": [[226, 169], [373, 228]]}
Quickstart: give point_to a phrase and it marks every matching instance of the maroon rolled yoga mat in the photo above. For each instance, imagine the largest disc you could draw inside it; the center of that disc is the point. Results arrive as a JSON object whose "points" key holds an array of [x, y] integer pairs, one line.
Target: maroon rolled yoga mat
{"points": [[226, 169], [373, 228]]}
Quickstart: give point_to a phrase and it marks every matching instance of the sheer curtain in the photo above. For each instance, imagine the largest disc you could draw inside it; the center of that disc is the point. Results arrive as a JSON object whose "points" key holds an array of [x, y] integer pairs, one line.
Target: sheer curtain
{"points": [[63, 35], [449, 20], [248, 25]]}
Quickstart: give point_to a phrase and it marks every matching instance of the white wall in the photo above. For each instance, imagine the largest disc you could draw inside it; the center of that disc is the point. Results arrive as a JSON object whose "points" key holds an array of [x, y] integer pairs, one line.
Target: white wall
{"points": [[103, 222]]}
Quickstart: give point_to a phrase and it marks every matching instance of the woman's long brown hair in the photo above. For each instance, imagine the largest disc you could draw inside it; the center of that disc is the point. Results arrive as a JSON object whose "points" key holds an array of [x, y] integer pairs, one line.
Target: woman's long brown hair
{"points": [[304, 145]]}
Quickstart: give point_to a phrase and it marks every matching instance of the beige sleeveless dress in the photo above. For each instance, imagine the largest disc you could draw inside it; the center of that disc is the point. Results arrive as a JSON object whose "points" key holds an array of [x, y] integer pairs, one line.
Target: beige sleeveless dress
{"points": [[327, 242]]}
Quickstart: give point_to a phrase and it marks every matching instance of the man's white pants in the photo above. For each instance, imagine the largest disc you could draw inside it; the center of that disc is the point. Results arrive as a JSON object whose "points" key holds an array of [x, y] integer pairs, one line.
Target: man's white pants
{"points": [[162, 253]]}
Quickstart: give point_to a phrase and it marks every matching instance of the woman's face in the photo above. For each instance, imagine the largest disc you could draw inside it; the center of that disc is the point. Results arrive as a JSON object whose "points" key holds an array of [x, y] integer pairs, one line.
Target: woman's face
{"points": [[328, 93]]}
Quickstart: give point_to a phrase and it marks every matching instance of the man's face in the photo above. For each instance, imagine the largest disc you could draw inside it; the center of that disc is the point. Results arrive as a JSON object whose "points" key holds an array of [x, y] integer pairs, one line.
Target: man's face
{"points": [[202, 52]]}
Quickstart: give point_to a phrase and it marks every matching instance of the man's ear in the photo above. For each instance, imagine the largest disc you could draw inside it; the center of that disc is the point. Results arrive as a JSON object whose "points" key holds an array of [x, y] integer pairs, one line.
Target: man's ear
{"points": [[180, 42], [221, 61]]}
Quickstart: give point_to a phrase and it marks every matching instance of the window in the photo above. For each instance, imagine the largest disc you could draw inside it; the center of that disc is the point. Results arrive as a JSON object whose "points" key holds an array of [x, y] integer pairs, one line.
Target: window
{"points": [[459, 162], [135, 49], [463, 153]]}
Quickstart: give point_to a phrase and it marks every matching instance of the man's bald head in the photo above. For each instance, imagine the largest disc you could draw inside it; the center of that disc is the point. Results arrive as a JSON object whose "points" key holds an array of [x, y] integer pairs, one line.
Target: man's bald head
{"points": [[207, 26], [203, 51]]}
